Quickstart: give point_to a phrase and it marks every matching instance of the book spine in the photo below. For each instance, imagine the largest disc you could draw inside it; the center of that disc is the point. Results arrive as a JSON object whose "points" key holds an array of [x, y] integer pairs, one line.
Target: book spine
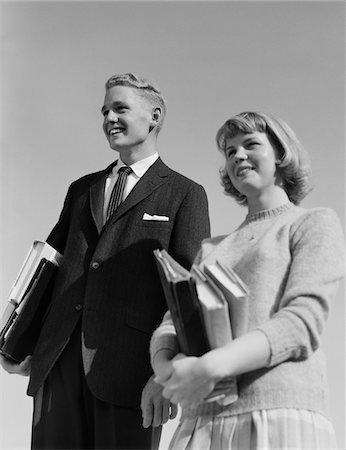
{"points": [[7, 318], [238, 307], [191, 317], [218, 326]]}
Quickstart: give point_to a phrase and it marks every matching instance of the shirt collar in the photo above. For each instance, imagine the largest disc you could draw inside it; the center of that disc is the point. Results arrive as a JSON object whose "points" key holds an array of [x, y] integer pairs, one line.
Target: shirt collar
{"points": [[140, 167]]}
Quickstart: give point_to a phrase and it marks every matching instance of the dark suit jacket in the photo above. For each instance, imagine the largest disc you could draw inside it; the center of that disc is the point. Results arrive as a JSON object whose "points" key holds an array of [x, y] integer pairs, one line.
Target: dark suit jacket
{"points": [[109, 280]]}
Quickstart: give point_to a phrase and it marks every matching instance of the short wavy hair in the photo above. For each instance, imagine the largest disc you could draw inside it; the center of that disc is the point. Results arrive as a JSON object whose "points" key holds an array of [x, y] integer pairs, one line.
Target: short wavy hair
{"points": [[145, 88], [294, 164]]}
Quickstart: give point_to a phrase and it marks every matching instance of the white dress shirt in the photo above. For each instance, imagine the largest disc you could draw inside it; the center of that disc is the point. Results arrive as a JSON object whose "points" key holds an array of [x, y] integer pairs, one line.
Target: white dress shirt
{"points": [[138, 170]]}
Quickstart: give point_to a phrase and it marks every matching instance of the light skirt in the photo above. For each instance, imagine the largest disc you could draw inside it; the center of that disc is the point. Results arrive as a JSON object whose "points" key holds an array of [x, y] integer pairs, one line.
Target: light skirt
{"points": [[274, 429]]}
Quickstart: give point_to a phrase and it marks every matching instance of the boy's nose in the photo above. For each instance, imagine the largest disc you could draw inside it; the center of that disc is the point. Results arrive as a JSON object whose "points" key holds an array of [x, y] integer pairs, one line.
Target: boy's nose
{"points": [[111, 116]]}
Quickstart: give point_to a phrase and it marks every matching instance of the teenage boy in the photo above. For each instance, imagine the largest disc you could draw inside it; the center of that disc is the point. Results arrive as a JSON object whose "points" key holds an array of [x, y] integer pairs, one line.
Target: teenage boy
{"points": [[90, 371]]}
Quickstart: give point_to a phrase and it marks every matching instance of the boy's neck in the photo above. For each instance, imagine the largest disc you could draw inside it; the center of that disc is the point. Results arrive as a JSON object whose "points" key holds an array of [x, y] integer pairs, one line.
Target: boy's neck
{"points": [[134, 154]]}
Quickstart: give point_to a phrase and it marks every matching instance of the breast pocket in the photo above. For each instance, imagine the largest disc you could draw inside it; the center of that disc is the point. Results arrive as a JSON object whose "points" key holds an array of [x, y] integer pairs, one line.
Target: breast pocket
{"points": [[157, 224]]}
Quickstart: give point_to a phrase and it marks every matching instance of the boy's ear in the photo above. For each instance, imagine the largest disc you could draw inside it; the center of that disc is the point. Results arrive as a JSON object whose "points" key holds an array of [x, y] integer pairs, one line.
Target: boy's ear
{"points": [[155, 117]]}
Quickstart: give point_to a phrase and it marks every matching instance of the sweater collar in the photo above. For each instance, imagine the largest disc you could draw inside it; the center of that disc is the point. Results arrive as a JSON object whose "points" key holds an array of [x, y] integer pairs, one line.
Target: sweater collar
{"points": [[269, 213]]}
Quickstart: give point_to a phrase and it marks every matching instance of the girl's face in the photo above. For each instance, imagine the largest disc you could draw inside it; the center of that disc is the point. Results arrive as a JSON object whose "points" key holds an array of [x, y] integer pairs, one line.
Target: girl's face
{"points": [[251, 163]]}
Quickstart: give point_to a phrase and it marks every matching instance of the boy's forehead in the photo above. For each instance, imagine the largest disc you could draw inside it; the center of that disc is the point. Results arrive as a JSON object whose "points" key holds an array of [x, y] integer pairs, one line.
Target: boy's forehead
{"points": [[124, 94]]}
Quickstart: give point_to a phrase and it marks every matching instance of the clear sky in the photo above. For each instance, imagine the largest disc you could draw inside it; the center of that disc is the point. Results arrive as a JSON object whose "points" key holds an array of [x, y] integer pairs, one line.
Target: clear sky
{"points": [[211, 60]]}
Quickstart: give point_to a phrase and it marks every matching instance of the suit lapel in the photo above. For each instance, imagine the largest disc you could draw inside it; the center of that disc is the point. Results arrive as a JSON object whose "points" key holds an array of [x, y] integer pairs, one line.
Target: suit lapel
{"points": [[153, 178]]}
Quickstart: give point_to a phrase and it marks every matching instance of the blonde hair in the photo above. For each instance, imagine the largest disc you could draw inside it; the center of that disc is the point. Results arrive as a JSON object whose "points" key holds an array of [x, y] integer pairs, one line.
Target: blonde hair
{"points": [[294, 164]]}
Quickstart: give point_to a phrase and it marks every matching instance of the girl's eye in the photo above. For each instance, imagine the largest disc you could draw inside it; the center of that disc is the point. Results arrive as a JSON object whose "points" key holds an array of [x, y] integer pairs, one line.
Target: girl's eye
{"points": [[252, 144], [229, 153]]}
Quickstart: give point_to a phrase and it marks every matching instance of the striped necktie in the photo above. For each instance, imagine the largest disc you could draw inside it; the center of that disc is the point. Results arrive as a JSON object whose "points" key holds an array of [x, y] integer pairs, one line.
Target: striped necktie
{"points": [[118, 191]]}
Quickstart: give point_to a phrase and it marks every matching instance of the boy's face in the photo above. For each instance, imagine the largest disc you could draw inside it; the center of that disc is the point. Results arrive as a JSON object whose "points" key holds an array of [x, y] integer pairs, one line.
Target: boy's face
{"points": [[127, 117]]}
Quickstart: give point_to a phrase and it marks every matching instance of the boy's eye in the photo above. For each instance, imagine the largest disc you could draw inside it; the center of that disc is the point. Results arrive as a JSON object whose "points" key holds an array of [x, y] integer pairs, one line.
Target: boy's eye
{"points": [[121, 108]]}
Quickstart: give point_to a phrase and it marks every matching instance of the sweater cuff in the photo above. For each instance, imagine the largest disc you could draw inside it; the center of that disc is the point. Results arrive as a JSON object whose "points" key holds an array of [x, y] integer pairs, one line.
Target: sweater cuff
{"points": [[282, 346], [164, 338]]}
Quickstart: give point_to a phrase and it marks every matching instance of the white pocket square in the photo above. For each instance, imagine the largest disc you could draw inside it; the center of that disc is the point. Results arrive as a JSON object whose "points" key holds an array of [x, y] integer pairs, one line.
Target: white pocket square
{"points": [[147, 216]]}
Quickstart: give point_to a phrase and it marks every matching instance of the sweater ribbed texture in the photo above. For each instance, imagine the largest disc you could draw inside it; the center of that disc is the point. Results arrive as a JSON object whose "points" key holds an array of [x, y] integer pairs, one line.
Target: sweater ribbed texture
{"points": [[292, 260]]}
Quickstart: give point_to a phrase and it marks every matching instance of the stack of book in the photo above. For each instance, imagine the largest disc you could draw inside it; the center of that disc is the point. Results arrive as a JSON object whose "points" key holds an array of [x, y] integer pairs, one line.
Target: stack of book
{"points": [[27, 302], [209, 308]]}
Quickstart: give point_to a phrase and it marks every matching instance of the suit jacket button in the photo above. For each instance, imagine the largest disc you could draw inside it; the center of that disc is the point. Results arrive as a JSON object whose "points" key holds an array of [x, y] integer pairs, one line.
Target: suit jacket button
{"points": [[78, 307], [95, 265]]}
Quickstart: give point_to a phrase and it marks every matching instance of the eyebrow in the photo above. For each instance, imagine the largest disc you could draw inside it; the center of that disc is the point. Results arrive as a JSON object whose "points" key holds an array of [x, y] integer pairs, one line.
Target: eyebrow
{"points": [[113, 105], [228, 147]]}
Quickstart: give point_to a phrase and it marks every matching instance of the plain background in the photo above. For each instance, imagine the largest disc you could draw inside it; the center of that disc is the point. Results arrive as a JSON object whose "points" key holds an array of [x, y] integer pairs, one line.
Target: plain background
{"points": [[211, 60]]}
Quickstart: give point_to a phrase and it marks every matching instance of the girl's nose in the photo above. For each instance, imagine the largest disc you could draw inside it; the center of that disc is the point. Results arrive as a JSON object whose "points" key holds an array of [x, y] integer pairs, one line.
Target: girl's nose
{"points": [[240, 155]]}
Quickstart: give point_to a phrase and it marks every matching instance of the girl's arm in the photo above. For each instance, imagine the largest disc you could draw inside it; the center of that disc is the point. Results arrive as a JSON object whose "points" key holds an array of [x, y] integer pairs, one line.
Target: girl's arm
{"points": [[190, 379]]}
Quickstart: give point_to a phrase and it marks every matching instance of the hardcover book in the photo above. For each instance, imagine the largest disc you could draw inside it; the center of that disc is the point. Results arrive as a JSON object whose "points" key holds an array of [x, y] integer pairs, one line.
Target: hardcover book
{"points": [[28, 302], [214, 309], [235, 292], [182, 301], [218, 329]]}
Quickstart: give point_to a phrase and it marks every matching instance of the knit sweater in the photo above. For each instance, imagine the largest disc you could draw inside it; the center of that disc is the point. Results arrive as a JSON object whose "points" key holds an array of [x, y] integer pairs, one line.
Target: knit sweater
{"points": [[292, 261]]}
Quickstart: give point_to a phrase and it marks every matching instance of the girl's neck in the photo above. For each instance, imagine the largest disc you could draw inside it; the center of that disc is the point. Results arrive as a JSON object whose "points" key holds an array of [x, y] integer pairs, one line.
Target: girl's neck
{"points": [[267, 200]]}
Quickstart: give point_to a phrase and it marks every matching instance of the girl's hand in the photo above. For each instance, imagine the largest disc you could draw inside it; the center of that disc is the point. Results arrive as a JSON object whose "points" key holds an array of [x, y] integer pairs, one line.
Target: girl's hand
{"points": [[162, 366], [188, 379], [191, 380]]}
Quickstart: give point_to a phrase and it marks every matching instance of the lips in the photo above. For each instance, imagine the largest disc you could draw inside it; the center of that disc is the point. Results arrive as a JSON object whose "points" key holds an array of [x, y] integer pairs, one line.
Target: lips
{"points": [[243, 170], [115, 130]]}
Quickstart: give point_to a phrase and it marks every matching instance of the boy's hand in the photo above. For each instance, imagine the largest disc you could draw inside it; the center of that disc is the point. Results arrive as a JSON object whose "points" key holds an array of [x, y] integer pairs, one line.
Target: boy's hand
{"points": [[22, 368]]}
